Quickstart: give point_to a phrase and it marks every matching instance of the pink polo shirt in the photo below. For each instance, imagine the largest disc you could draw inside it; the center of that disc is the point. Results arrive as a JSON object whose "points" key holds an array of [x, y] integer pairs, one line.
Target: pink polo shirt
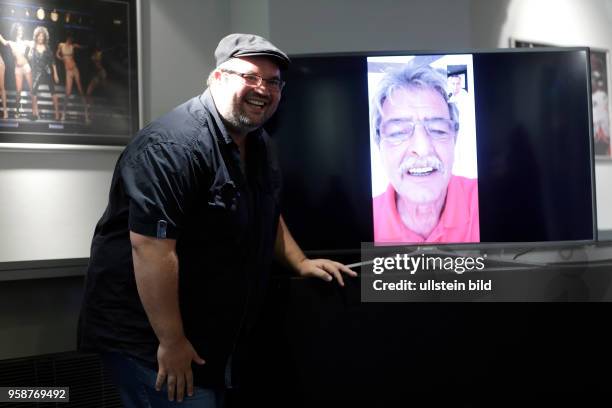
{"points": [[458, 222]]}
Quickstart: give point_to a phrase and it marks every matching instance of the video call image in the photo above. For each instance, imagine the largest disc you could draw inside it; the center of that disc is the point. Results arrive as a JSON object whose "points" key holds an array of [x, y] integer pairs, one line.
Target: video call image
{"points": [[423, 149]]}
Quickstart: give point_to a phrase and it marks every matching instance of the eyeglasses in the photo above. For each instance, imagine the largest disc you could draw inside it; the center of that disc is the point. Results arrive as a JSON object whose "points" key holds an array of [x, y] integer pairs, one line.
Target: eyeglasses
{"points": [[254, 80], [397, 131]]}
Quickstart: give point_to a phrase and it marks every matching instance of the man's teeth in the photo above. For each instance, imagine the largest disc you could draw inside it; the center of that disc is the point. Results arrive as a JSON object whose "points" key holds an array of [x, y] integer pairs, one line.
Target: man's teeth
{"points": [[256, 102], [420, 171]]}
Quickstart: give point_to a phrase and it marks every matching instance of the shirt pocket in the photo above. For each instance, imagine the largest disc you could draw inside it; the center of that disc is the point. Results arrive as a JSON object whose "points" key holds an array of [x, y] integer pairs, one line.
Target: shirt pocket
{"points": [[224, 196], [224, 213]]}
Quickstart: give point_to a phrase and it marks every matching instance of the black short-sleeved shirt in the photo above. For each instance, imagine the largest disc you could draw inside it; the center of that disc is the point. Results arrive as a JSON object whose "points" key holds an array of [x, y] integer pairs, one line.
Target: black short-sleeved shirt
{"points": [[180, 178]]}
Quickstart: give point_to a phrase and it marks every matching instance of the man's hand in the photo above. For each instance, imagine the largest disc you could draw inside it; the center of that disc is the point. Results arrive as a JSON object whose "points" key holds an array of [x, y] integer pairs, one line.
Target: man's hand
{"points": [[288, 252], [324, 269], [156, 271], [175, 367]]}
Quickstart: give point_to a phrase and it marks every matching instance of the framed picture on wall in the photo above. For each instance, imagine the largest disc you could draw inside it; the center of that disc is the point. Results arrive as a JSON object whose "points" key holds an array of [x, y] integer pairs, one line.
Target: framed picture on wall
{"points": [[599, 96], [69, 71]]}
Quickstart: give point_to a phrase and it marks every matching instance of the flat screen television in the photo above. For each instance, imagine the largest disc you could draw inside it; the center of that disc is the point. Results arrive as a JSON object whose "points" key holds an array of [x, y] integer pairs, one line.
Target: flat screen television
{"points": [[359, 148]]}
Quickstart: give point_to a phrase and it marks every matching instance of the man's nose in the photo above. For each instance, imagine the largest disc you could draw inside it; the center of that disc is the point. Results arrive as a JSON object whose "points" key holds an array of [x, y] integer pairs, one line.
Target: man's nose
{"points": [[263, 89], [420, 142]]}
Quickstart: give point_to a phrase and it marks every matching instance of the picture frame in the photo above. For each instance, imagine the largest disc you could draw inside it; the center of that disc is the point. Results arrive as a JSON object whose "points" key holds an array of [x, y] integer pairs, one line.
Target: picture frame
{"points": [[71, 72], [599, 63]]}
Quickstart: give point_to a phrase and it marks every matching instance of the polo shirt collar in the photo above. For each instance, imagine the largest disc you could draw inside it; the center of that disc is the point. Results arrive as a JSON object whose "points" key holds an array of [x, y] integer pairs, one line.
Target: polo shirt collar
{"points": [[451, 217]]}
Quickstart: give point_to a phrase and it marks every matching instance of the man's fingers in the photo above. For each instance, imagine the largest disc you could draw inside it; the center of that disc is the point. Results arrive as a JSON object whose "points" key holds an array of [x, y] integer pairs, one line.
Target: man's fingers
{"points": [[161, 378], [319, 272], [189, 380], [332, 269], [171, 386], [345, 269], [180, 388], [329, 270], [332, 272], [199, 360]]}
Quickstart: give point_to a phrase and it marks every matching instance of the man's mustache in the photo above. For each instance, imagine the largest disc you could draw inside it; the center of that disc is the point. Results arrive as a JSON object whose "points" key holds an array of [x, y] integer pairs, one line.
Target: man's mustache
{"points": [[421, 162], [258, 96]]}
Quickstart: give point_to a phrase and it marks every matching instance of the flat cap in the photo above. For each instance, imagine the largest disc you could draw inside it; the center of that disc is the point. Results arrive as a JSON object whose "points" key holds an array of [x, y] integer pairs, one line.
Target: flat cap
{"points": [[246, 45]]}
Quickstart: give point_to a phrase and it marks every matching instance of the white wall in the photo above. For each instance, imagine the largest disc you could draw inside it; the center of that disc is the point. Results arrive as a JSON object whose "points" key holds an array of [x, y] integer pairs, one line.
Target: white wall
{"points": [[361, 25], [559, 22], [250, 16], [50, 201], [179, 40]]}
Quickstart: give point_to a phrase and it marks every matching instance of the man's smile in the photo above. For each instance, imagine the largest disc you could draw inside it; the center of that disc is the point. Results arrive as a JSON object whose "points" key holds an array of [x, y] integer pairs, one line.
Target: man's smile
{"points": [[421, 171]]}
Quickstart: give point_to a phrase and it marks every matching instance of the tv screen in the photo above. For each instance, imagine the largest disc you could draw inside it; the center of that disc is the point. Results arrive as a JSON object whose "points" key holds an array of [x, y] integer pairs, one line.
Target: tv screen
{"points": [[411, 148]]}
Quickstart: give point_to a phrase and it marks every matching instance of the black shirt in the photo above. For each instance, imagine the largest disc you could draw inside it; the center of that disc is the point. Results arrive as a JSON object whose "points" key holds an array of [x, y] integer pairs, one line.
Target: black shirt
{"points": [[180, 178]]}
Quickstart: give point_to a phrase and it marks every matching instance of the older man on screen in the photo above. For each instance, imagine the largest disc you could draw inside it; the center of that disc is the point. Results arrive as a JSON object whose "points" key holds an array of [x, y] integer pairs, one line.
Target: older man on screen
{"points": [[415, 127]]}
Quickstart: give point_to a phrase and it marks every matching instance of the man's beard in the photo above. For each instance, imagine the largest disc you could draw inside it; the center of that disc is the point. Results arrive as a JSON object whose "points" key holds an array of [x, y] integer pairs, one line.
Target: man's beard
{"points": [[239, 121]]}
